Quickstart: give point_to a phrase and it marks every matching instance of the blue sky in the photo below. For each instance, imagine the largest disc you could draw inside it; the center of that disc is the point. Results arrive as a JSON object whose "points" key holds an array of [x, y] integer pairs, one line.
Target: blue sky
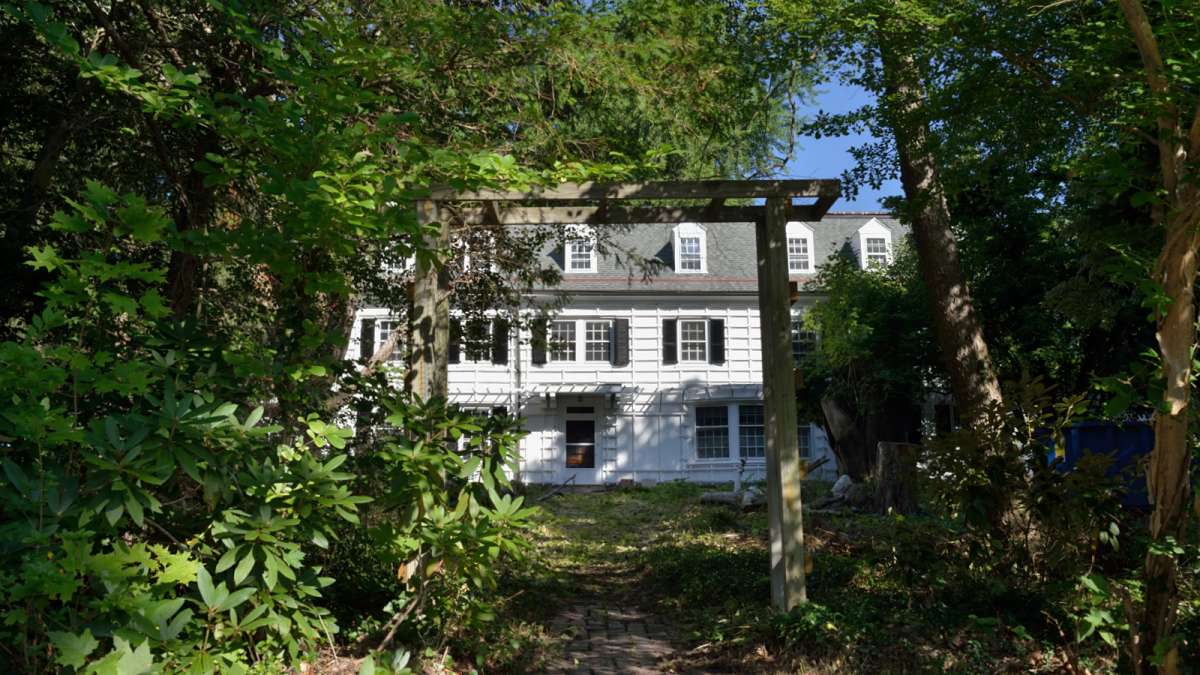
{"points": [[828, 157]]}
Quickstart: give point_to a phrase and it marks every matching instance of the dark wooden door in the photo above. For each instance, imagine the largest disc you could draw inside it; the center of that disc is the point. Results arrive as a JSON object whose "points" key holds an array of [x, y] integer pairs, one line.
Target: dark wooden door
{"points": [[581, 444]]}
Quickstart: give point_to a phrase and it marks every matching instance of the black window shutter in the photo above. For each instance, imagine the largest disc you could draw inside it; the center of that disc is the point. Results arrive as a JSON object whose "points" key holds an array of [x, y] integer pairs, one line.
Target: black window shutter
{"points": [[537, 342], [620, 342], [499, 341], [670, 342], [455, 343], [366, 339], [716, 341]]}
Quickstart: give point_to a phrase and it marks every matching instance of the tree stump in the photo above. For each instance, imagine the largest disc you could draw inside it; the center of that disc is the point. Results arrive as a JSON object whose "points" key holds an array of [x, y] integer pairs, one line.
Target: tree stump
{"points": [[896, 478]]}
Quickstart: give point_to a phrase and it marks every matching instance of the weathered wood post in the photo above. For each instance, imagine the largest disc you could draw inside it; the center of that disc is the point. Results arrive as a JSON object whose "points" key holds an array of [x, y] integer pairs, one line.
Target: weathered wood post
{"points": [[779, 408], [429, 316]]}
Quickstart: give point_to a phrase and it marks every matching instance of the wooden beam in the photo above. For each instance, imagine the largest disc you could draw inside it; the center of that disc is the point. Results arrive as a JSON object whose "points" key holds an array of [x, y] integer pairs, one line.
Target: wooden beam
{"points": [[698, 189], [779, 410], [493, 213]]}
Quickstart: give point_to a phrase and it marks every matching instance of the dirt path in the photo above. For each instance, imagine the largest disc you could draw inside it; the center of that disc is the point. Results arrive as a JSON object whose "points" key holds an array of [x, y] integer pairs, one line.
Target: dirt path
{"points": [[602, 638], [604, 624]]}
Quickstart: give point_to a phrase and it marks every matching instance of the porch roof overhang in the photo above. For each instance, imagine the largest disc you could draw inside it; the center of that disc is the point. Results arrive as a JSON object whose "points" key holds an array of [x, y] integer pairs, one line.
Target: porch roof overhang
{"points": [[722, 392], [578, 389]]}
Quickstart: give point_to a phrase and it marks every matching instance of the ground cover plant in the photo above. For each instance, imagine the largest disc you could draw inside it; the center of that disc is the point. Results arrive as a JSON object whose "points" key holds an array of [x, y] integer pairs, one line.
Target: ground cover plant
{"points": [[887, 593]]}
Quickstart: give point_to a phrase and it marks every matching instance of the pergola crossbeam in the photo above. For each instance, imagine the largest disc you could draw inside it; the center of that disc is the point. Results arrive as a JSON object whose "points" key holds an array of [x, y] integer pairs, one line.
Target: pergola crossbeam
{"points": [[697, 189], [499, 213]]}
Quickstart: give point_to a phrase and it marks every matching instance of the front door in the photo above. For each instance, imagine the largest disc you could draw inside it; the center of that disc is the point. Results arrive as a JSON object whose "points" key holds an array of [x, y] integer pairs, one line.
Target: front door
{"points": [[580, 441]]}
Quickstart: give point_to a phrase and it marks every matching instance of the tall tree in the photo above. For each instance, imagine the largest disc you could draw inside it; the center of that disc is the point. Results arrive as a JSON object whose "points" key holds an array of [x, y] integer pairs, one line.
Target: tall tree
{"points": [[1173, 102]]}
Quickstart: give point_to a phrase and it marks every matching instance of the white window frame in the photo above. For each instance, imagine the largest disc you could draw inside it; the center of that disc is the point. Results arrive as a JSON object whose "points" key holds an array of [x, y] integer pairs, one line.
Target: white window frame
{"points": [[690, 230], [730, 427], [552, 342], [798, 230], [464, 348], [798, 317], [581, 341], [741, 451], [704, 343], [873, 229], [579, 234], [384, 326]]}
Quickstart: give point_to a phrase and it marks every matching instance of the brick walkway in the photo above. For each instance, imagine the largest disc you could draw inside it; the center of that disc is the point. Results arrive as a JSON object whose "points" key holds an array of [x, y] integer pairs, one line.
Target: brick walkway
{"points": [[600, 639]]}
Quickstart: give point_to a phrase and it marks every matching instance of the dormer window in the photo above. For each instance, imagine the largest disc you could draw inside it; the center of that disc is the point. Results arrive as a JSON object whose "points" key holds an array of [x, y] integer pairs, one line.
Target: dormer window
{"points": [[875, 250], [581, 256], [580, 250], [799, 248], [691, 249], [874, 245]]}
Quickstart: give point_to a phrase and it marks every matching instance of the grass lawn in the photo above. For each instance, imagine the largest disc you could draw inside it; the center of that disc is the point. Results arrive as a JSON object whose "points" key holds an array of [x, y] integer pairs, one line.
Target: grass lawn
{"points": [[887, 594]]}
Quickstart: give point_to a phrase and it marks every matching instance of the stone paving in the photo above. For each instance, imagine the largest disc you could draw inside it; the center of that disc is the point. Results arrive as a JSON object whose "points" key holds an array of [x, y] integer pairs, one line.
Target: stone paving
{"points": [[600, 639]]}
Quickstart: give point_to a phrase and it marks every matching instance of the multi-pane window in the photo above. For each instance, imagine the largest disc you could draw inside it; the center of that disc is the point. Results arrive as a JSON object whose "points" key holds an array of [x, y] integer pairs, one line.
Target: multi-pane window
{"points": [[596, 340], [797, 250], [751, 441], [804, 439], [562, 341], [712, 432], [581, 256], [693, 340], [690, 257], [386, 329], [803, 339], [477, 340], [875, 251]]}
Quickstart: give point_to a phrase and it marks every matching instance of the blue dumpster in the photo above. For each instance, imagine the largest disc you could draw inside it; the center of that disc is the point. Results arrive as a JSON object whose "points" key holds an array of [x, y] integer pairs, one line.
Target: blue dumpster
{"points": [[1126, 443]]}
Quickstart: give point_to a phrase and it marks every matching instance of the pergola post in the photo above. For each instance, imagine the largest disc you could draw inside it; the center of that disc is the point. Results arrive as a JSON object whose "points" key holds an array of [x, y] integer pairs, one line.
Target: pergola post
{"points": [[429, 314], [779, 408]]}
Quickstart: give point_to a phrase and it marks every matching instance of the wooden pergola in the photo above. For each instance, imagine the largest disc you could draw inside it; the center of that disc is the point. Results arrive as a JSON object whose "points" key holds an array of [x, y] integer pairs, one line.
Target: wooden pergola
{"points": [[625, 203]]}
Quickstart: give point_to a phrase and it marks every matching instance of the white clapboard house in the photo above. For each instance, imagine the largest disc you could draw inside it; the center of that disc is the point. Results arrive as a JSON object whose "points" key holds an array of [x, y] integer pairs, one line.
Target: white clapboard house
{"points": [[656, 379]]}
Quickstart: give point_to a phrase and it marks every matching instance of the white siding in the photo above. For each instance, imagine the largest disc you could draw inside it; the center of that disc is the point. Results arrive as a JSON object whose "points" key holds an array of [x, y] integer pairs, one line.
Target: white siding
{"points": [[648, 434]]}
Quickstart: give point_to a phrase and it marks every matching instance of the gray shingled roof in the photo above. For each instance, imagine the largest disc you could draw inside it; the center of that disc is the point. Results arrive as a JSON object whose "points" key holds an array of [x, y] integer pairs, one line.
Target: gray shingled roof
{"points": [[731, 256]]}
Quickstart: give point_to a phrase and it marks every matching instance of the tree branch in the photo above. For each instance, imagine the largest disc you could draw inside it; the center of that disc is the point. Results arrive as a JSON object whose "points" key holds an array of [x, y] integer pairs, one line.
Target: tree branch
{"points": [[1152, 63]]}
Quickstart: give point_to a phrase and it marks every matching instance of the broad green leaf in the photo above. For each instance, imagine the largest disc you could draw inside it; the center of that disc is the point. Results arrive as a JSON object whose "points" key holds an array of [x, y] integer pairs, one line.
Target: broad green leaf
{"points": [[73, 649]]}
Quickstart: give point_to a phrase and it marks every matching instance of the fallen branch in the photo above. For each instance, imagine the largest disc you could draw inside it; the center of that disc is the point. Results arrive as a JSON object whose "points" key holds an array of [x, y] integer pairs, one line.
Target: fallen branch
{"points": [[556, 490]]}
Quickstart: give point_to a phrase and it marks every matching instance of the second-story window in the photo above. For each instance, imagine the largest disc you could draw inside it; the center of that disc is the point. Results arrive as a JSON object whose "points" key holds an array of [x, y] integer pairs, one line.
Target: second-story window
{"points": [[581, 256], [596, 341], [693, 340], [562, 341], [875, 251]]}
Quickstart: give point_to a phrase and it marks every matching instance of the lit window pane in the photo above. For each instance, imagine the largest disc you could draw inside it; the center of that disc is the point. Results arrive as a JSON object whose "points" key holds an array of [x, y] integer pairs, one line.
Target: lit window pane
{"points": [[689, 254], [693, 340], [562, 341], [596, 336], [712, 432], [797, 249], [751, 440]]}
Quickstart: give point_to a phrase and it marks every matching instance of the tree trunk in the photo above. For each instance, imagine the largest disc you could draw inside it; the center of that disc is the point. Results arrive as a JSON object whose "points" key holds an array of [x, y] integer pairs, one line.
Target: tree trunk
{"points": [[959, 334], [846, 437], [429, 315], [896, 478], [1168, 478]]}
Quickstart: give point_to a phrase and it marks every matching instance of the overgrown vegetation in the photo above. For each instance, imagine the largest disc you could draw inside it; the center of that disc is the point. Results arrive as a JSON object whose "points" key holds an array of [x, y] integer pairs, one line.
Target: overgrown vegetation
{"points": [[888, 593]]}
